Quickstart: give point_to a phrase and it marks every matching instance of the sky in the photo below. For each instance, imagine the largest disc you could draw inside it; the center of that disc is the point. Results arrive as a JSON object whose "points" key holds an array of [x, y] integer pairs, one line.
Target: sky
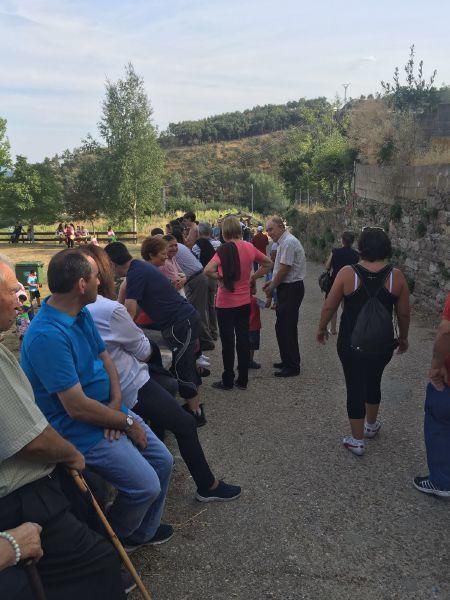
{"points": [[198, 57]]}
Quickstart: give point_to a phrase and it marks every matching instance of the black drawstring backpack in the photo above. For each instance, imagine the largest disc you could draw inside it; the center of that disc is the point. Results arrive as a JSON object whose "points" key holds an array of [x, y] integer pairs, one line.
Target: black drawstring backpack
{"points": [[374, 331]]}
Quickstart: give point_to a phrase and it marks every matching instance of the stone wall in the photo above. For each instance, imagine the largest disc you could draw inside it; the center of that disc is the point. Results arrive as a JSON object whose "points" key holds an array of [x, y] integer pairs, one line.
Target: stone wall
{"points": [[413, 206]]}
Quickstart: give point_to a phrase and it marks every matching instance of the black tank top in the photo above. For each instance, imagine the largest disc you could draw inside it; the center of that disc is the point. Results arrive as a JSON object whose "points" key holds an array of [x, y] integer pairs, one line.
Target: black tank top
{"points": [[354, 302], [341, 257]]}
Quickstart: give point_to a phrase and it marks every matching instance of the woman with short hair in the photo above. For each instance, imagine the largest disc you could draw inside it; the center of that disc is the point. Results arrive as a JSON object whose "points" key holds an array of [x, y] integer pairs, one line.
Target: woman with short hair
{"points": [[355, 284], [232, 266]]}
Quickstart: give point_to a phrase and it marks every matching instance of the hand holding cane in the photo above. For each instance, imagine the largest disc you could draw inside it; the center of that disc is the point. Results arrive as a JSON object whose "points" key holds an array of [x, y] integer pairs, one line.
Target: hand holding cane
{"points": [[83, 486]]}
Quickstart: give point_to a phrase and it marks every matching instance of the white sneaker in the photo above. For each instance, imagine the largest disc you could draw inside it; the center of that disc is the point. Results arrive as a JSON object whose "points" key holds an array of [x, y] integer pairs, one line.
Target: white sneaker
{"points": [[371, 429], [357, 447], [205, 357], [201, 362]]}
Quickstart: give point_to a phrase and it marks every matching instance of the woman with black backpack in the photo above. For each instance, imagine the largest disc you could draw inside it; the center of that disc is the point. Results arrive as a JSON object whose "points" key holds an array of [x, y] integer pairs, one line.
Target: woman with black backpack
{"points": [[371, 290]]}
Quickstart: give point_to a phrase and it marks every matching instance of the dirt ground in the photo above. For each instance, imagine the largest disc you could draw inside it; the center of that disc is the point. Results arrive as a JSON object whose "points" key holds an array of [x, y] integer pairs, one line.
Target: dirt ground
{"points": [[313, 522]]}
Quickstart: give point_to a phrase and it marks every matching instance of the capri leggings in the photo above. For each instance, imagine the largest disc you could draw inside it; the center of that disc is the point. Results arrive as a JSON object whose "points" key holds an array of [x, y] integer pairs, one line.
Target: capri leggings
{"points": [[363, 375]]}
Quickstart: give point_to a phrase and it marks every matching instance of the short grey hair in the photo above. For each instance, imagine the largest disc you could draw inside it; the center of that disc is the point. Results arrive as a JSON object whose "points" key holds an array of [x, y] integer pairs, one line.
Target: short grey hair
{"points": [[5, 260], [204, 229]]}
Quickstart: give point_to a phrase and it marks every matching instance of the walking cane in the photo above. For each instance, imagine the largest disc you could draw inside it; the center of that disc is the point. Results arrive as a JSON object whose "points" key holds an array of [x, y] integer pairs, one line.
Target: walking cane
{"points": [[35, 581], [83, 486]]}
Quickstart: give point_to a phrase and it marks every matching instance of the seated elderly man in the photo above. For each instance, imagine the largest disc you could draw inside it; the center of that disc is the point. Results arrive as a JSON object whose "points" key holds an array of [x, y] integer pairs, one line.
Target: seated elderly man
{"points": [[76, 386], [196, 287], [36, 521]]}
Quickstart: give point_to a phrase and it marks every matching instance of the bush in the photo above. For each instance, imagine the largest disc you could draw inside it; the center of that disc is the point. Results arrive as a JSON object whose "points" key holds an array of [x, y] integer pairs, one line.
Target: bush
{"points": [[396, 212], [421, 229]]}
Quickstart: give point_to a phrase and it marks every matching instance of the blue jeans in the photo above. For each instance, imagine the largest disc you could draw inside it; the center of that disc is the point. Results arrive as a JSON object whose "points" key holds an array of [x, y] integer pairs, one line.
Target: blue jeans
{"points": [[437, 435], [142, 479]]}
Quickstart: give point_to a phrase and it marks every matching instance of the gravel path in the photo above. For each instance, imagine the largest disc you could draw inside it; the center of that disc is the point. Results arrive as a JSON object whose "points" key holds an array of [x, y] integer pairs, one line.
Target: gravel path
{"points": [[314, 521]]}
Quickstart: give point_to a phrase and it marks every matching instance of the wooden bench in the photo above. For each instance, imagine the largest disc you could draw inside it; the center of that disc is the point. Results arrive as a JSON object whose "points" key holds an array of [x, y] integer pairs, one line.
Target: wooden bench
{"points": [[47, 236]]}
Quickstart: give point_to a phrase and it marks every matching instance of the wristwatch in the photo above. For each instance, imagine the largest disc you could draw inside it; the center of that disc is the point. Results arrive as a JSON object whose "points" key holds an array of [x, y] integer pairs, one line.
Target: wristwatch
{"points": [[129, 424]]}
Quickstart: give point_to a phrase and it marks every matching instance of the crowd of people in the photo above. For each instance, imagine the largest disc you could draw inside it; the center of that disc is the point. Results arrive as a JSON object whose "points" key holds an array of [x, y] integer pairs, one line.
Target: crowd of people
{"points": [[92, 392]]}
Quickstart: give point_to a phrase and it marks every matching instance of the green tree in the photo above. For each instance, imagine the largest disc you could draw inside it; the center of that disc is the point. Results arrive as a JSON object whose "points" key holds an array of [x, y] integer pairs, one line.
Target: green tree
{"points": [[133, 163], [416, 94], [5, 158], [82, 172], [332, 165], [268, 194]]}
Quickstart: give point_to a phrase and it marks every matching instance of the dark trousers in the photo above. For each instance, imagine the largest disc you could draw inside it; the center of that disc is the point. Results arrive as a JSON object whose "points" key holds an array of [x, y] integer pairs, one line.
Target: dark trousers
{"points": [[437, 435], [289, 299], [197, 292], [363, 375], [77, 562], [233, 329], [164, 412]]}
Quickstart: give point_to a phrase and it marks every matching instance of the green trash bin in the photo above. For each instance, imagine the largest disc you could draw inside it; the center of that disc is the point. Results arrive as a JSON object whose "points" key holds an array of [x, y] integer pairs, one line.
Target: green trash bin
{"points": [[23, 269]]}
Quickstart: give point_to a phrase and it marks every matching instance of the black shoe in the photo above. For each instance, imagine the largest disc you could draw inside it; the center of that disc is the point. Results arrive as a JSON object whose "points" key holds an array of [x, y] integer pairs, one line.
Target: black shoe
{"points": [[287, 373], [128, 583], [253, 365], [203, 372], [207, 346], [199, 419], [162, 535], [424, 484], [240, 385], [278, 365], [224, 492], [219, 385]]}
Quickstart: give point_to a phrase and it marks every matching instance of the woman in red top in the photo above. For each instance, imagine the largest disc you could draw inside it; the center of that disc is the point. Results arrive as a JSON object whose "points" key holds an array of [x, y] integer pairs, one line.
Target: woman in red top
{"points": [[232, 267]]}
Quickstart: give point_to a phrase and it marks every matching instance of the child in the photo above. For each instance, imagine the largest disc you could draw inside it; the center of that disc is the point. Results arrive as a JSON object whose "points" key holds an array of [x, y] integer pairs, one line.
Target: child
{"points": [[33, 287], [111, 235], [254, 330], [23, 302], [22, 321]]}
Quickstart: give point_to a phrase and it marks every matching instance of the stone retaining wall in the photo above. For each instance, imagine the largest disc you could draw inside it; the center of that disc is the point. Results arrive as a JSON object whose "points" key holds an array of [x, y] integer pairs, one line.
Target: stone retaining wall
{"points": [[413, 207]]}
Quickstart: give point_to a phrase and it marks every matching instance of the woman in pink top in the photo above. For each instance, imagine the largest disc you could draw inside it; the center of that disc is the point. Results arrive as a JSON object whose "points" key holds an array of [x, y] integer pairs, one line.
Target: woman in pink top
{"points": [[232, 266]]}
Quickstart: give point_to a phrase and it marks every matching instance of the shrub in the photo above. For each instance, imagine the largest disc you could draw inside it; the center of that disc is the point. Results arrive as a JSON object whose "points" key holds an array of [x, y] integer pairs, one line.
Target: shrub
{"points": [[396, 212], [421, 229]]}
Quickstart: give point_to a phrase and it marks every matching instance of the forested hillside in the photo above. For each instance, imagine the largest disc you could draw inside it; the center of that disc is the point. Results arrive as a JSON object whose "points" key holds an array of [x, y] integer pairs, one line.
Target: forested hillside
{"points": [[254, 121]]}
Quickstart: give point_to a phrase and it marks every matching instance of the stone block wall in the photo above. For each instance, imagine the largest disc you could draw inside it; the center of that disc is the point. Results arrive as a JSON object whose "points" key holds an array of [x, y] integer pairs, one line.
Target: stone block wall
{"points": [[416, 214]]}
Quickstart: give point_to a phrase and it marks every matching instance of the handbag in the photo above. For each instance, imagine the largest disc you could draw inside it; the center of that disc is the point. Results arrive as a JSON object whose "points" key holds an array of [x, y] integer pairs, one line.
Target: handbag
{"points": [[325, 282]]}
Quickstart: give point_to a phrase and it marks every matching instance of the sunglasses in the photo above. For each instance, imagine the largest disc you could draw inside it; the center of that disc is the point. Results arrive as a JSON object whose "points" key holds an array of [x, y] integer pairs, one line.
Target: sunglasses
{"points": [[370, 228]]}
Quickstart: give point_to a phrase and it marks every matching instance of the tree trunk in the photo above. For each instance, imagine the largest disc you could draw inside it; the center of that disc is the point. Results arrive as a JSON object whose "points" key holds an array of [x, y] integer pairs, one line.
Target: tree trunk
{"points": [[135, 218]]}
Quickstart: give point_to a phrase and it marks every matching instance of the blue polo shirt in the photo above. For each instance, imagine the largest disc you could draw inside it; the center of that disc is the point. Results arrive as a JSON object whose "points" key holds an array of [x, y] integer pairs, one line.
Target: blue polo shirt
{"points": [[58, 352]]}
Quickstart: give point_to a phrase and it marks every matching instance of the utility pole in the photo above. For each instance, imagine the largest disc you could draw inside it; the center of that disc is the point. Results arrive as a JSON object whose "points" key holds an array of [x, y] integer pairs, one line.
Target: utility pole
{"points": [[251, 186], [345, 86], [163, 197]]}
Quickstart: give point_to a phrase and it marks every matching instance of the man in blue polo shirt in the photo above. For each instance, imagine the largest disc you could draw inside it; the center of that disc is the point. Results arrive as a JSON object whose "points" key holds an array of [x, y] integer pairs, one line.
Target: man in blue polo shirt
{"points": [[76, 386], [172, 314]]}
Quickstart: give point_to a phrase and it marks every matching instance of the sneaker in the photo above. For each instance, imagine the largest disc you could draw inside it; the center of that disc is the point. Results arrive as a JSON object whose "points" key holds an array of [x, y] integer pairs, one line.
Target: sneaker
{"points": [[358, 447], [224, 492], [423, 484], [254, 365], [128, 583], [162, 535], [202, 361], [219, 385], [199, 419], [371, 429]]}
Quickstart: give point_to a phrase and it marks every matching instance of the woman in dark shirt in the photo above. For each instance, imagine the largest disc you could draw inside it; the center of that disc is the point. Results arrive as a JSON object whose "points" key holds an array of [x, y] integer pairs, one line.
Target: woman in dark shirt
{"points": [[341, 257], [363, 372]]}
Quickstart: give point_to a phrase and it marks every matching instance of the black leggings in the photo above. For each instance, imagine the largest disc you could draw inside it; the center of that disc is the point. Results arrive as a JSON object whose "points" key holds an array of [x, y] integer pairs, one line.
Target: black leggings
{"points": [[363, 375], [233, 328], [164, 412]]}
